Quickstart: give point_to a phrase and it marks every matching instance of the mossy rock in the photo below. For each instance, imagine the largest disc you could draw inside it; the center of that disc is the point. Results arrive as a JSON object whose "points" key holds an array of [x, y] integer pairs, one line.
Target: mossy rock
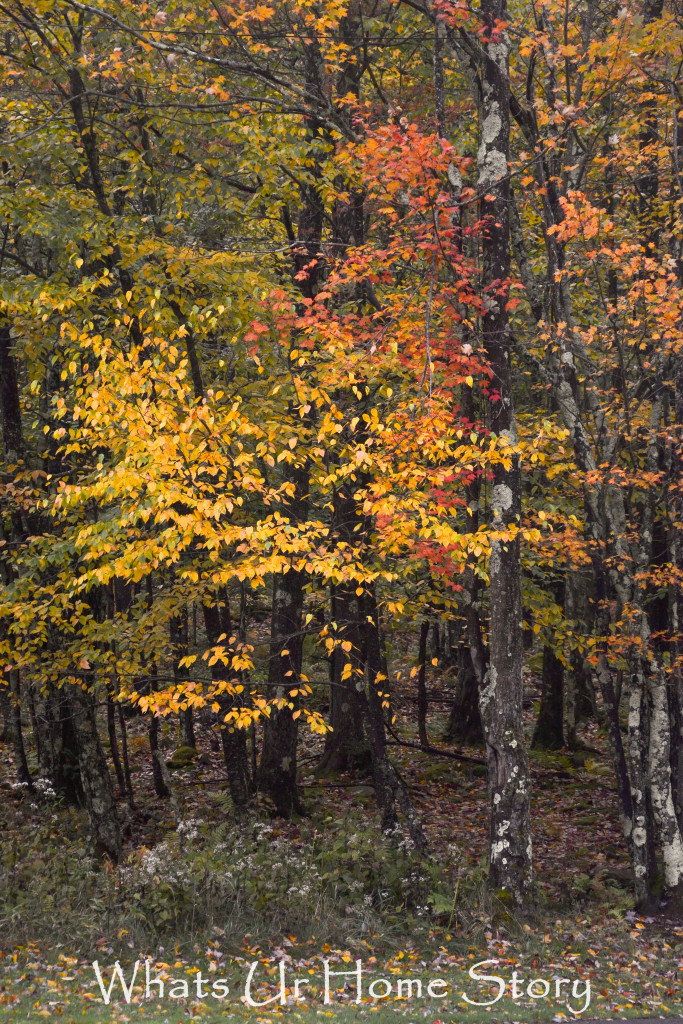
{"points": [[182, 757]]}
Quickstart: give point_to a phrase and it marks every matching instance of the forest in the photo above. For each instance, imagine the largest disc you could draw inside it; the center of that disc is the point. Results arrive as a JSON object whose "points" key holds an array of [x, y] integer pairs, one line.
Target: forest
{"points": [[341, 505]]}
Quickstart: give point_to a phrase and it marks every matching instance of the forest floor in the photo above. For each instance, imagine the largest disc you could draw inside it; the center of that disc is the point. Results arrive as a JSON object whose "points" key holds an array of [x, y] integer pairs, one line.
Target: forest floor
{"points": [[214, 898]]}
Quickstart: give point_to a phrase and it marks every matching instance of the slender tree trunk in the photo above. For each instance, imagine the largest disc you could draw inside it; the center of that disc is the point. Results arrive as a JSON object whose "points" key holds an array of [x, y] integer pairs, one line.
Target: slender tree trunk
{"points": [[500, 700], [675, 545], [346, 747], [234, 741], [30, 699], [422, 686], [388, 785], [178, 628], [549, 733], [659, 764], [130, 796], [464, 720], [20, 763], [6, 712], [58, 745], [113, 743], [649, 680], [160, 787], [580, 702], [187, 730], [97, 790], [278, 765], [10, 405], [676, 752], [13, 446]]}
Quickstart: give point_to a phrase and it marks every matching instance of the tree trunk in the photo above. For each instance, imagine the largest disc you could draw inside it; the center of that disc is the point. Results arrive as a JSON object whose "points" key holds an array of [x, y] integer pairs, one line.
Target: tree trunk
{"points": [[388, 786], [113, 743], [422, 686], [649, 721], [278, 765], [6, 712], [130, 796], [20, 762], [97, 790], [160, 787], [178, 630], [58, 744], [234, 741], [346, 747], [187, 731], [579, 693], [675, 548], [676, 751], [500, 700], [549, 733], [30, 699], [660, 779], [464, 721], [10, 405], [13, 446]]}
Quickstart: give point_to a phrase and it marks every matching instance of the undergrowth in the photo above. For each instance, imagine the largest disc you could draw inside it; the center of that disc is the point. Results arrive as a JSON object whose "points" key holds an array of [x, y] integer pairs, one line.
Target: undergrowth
{"points": [[327, 877]]}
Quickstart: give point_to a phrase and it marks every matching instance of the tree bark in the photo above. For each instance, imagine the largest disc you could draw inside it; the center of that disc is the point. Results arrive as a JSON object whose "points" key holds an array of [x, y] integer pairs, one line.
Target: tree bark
{"points": [[500, 699], [675, 547], [346, 747], [549, 731], [278, 765], [58, 745], [389, 788], [13, 446], [178, 629], [464, 720], [234, 741], [6, 712], [97, 790], [10, 406], [113, 743], [20, 762], [422, 686], [160, 787], [579, 693], [130, 796]]}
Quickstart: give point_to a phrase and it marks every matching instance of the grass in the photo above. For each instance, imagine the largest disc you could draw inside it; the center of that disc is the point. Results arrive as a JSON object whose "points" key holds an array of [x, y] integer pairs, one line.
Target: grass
{"points": [[80, 1001], [35, 985]]}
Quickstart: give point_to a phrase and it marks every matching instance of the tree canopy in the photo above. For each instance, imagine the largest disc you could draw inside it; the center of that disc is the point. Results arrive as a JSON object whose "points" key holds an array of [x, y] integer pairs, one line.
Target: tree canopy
{"points": [[339, 314]]}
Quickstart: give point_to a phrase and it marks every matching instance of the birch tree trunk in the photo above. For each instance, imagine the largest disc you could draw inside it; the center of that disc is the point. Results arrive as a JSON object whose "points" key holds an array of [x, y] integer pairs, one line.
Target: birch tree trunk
{"points": [[500, 699]]}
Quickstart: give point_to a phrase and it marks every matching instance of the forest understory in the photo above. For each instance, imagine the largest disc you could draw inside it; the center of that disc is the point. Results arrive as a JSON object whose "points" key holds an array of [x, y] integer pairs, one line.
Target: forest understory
{"points": [[194, 888]]}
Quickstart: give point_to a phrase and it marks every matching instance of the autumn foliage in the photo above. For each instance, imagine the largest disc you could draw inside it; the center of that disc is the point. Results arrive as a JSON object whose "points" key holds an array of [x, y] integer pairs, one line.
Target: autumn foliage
{"points": [[332, 313]]}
